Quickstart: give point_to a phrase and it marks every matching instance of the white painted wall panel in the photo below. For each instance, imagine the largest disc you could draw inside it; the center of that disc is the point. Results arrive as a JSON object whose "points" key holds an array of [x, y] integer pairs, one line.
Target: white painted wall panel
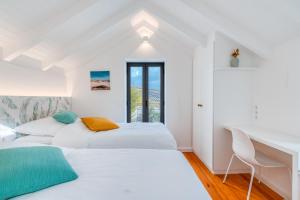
{"points": [[112, 104], [233, 104], [277, 93]]}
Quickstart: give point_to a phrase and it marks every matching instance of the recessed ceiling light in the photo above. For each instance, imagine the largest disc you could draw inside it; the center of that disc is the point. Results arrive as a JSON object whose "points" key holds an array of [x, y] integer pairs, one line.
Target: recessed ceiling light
{"points": [[144, 16], [144, 32]]}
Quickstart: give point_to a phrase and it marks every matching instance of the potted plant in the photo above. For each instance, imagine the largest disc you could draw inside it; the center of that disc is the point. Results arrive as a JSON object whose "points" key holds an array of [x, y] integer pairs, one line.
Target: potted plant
{"points": [[234, 62]]}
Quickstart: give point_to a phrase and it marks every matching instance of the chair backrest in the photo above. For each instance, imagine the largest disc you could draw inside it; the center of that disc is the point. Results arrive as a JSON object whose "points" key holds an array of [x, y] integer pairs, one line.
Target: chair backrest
{"points": [[242, 146]]}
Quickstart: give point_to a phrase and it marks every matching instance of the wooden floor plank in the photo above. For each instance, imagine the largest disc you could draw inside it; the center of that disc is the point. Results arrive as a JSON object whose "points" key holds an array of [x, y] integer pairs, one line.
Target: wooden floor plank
{"points": [[235, 187]]}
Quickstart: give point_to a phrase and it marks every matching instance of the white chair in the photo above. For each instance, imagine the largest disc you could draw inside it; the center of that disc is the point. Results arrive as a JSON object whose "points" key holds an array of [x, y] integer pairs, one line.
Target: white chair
{"points": [[244, 150]]}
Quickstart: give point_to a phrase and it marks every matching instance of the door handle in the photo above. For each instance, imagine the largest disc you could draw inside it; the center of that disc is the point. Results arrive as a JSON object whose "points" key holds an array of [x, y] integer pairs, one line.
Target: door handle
{"points": [[199, 105]]}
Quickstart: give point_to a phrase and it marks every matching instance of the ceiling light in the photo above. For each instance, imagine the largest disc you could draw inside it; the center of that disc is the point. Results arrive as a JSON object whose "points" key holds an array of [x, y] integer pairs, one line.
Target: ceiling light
{"points": [[144, 16], [145, 32]]}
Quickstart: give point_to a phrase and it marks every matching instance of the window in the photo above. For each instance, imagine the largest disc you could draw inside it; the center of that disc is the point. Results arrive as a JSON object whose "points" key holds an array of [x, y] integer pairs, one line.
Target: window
{"points": [[145, 92]]}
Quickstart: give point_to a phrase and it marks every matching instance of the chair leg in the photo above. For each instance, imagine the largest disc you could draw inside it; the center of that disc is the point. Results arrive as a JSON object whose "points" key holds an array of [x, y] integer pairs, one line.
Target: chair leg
{"points": [[290, 173], [231, 159], [259, 174], [251, 182]]}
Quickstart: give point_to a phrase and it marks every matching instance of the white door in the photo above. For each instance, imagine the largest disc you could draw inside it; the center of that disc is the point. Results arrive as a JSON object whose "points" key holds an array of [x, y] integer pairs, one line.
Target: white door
{"points": [[203, 104]]}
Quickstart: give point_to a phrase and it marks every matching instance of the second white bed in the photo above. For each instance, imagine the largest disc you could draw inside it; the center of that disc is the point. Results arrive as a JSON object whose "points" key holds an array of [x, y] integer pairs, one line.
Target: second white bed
{"points": [[129, 135]]}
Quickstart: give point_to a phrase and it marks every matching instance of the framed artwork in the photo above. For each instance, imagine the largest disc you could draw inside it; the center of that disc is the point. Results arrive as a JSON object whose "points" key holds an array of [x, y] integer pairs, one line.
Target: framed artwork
{"points": [[100, 80]]}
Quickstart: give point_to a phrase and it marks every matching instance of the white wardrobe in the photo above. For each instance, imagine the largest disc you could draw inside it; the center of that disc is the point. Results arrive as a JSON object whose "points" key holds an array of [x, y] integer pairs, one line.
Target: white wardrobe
{"points": [[222, 95]]}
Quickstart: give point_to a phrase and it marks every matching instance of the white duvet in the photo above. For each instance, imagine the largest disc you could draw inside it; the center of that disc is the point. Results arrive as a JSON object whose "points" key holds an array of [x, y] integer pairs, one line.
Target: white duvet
{"points": [[126, 174], [34, 139], [129, 135]]}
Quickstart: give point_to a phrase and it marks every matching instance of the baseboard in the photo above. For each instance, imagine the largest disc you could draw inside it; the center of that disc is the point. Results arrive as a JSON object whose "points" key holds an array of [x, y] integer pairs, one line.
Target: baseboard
{"points": [[234, 171], [185, 149]]}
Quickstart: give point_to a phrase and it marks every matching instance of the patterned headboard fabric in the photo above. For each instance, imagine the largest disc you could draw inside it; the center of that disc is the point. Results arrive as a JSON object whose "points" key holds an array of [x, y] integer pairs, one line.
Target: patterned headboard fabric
{"points": [[16, 110]]}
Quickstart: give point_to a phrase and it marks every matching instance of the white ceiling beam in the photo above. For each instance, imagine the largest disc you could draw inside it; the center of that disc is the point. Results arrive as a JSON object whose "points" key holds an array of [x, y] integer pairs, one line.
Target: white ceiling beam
{"points": [[174, 21], [83, 45], [237, 33], [108, 44], [144, 24], [106, 36], [117, 39], [170, 30], [168, 42], [188, 46], [39, 33], [119, 36], [175, 40], [105, 25]]}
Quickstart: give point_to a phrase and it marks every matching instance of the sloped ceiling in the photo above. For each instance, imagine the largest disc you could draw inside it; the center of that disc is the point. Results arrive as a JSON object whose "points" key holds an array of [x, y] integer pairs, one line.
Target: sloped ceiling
{"points": [[59, 33]]}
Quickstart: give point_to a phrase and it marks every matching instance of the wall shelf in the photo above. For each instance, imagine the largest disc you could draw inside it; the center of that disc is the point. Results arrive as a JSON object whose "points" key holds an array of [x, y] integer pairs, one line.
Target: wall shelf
{"points": [[235, 68]]}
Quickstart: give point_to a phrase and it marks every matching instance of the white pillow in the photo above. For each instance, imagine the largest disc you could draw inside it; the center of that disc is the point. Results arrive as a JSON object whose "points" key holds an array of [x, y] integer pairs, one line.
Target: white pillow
{"points": [[42, 127], [74, 135]]}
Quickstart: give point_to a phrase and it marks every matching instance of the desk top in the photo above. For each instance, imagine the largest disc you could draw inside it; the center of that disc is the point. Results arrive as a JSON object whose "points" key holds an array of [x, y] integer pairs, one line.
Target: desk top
{"points": [[282, 141]]}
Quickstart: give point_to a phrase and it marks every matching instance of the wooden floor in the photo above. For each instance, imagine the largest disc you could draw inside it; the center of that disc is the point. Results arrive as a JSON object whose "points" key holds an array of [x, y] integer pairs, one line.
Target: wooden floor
{"points": [[235, 187]]}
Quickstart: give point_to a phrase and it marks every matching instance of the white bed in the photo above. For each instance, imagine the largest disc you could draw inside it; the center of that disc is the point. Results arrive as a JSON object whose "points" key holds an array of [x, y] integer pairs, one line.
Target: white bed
{"points": [[129, 135], [34, 139], [126, 174]]}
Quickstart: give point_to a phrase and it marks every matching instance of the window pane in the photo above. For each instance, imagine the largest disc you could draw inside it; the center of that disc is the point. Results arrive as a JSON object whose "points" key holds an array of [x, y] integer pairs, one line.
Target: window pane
{"points": [[136, 94], [154, 78]]}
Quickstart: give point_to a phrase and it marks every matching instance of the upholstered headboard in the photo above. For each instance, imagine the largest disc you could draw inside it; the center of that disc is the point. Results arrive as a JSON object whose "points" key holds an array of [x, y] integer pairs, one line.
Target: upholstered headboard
{"points": [[16, 110]]}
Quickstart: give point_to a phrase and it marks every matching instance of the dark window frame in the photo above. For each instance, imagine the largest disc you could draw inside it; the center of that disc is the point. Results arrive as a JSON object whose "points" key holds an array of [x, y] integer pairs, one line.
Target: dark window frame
{"points": [[146, 66]]}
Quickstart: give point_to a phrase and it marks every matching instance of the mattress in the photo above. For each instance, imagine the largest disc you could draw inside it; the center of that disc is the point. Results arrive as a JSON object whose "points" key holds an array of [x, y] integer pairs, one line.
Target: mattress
{"points": [[129, 135], [126, 174]]}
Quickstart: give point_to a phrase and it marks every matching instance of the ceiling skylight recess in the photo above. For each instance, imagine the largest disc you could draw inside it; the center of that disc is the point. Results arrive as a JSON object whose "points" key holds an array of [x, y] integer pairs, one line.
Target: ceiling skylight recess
{"points": [[144, 24]]}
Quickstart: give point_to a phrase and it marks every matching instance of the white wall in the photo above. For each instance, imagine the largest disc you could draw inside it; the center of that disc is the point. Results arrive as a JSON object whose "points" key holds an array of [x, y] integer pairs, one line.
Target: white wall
{"points": [[233, 97], [227, 96], [277, 93], [25, 81], [277, 97], [273, 87], [112, 104], [223, 50]]}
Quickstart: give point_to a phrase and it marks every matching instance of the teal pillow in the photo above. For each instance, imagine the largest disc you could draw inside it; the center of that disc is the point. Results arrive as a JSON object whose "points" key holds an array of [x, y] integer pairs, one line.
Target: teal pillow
{"points": [[66, 117], [28, 169]]}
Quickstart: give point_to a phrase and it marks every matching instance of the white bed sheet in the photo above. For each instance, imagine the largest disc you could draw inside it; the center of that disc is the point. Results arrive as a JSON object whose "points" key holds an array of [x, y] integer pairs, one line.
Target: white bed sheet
{"points": [[126, 174], [129, 135], [34, 139]]}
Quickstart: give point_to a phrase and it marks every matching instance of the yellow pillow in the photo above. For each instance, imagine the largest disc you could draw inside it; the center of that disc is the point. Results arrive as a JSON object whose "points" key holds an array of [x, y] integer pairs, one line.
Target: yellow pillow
{"points": [[99, 123]]}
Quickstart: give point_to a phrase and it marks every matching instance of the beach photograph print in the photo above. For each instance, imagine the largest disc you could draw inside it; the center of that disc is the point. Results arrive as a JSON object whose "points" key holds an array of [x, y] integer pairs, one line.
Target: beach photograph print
{"points": [[100, 80]]}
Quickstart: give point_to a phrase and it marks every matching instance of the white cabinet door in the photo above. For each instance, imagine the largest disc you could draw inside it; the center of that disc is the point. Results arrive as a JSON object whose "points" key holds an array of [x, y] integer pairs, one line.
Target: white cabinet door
{"points": [[203, 104]]}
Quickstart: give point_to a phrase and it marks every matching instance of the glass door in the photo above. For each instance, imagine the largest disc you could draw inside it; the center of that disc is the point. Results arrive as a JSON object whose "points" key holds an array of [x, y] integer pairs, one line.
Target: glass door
{"points": [[145, 92]]}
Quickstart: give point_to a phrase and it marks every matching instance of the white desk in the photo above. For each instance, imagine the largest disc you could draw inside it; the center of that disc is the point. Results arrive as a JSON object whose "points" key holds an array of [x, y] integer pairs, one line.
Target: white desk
{"points": [[283, 142]]}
